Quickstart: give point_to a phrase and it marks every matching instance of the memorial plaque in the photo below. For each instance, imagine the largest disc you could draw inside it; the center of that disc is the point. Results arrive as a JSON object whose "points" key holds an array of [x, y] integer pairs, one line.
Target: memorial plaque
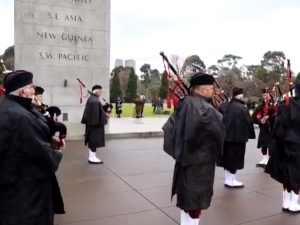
{"points": [[59, 40]]}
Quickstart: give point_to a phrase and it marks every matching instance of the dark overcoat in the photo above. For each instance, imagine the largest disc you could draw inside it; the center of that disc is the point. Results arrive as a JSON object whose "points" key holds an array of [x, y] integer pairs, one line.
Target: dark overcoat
{"points": [[119, 106], [58, 203], [94, 119], [27, 164], [198, 142], [284, 163], [239, 129], [139, 104]]}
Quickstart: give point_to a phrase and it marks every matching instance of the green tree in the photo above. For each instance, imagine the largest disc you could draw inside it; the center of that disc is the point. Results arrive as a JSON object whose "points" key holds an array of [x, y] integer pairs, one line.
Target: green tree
{"points": [[213, 70], [145, 77], [8, 57], [131, 86], [163, 90], [229, 61], [115, 90], [273, 62], [154, 84], [229, 75], [193, 60], [191, 65]]}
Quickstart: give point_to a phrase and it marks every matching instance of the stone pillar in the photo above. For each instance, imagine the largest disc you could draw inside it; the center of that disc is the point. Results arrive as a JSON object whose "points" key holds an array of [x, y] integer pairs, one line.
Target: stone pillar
{"points": [[59, 40]]}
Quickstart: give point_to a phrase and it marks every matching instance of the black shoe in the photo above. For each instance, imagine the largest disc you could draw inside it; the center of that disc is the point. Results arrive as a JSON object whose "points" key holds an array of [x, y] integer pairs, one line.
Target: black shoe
{"points": [[91, 162], [234, 187]]}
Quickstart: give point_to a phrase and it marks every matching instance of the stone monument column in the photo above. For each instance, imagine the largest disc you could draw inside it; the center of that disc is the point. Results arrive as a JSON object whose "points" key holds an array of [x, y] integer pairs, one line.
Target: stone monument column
{"points": [[59, 40]]}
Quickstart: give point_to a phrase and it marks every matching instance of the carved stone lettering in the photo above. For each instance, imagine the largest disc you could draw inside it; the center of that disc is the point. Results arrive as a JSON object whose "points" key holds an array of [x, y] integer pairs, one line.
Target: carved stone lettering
{"points": [[76, 38], [63, 56], [65, 37], [74, 18], [53, 16], [67, 17], [46, 35], [59, 40], [73, 57], [46, 55]]}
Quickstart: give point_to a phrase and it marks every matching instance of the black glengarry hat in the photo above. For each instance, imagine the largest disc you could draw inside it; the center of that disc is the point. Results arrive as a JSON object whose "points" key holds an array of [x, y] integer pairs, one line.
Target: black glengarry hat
{"points": [[199, 79], [16, 80], [38, 90], [237, 91], [265, 90], [95, 87]]}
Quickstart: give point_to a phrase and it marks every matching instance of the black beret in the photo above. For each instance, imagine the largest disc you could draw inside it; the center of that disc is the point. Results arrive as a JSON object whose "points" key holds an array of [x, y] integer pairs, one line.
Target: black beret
{"points": [[265, 90], [199, 79], [16, 80], [237, 91], [38, 90], [96, 87]]}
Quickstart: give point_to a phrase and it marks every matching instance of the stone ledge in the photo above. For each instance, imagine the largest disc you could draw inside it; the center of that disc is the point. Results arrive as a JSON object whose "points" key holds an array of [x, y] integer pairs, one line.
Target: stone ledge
{"points": [[76, 131], [111, 136]]}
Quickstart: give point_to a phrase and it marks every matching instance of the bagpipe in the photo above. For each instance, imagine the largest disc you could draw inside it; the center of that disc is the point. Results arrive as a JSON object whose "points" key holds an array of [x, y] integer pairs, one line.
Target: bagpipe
{"points": [[276, 95], [4, 72], [107, 107], [181, 90], [51, 113], [277, 98]]}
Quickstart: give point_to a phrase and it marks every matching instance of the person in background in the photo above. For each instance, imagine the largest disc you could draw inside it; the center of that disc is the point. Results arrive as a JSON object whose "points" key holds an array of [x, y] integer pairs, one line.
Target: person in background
{"points": [[138, 101], [154, 104], [264, 116], [94, 118], [284, 163], [119, 107], [239, 129], [143, 97]]}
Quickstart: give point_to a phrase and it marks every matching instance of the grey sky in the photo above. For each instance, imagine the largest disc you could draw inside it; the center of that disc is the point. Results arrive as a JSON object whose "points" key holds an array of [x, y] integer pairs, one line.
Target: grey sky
{"points": [[211, 29]]}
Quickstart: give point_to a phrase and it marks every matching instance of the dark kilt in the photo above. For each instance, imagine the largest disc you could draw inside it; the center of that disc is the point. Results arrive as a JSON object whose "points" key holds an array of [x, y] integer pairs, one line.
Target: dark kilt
{"points": [[194, 186], [284, 163], [234, 155], [264, 138]]}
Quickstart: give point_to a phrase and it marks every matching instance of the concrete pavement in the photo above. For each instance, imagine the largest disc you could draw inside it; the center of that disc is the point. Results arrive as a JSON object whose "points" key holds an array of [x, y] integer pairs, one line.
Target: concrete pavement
{"points": [[132, 187]]}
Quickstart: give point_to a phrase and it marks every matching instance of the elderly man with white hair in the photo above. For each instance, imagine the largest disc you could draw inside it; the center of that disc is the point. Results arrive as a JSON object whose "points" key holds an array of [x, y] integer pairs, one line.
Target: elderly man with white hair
{"points": [[27, 157], [94, 118]]}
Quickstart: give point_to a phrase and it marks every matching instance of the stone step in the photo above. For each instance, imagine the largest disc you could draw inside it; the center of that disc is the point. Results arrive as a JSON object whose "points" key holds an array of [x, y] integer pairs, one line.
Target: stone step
{"points": [[120, 128]]}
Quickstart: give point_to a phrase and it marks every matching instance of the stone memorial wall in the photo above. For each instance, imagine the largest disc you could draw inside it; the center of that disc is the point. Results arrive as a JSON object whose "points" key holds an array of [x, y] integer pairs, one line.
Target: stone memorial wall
{"points": [[59, 40]]}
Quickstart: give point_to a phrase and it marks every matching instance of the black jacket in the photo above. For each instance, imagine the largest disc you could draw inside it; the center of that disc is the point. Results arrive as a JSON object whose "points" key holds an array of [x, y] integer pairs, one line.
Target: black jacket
{"points": [[27, 164], [198, 143], [238, 123]]}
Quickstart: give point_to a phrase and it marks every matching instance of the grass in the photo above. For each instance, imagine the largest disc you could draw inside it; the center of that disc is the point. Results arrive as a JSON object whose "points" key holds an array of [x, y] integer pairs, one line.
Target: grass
{"points": [[127, 109]]}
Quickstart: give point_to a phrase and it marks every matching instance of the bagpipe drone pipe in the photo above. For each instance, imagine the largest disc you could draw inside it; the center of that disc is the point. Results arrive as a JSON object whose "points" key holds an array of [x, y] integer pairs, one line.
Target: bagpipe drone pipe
{"points": [[51, 113], [277, 96], [288, 109], [107, 107], [284, 102], [4, 72], [181, 90]]}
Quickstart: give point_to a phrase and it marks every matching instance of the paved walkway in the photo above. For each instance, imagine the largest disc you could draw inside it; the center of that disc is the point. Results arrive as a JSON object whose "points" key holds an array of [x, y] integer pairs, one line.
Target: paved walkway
{"points": [[133, 188]]}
